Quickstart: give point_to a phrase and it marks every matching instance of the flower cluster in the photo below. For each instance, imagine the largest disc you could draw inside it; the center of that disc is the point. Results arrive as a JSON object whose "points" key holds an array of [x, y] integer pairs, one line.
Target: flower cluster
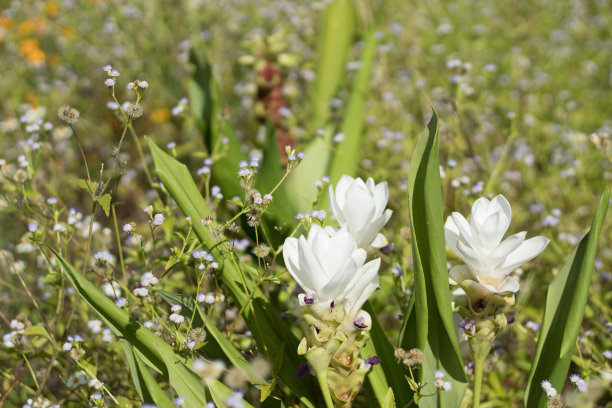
{"points": [[489, 261], [330, 266]]}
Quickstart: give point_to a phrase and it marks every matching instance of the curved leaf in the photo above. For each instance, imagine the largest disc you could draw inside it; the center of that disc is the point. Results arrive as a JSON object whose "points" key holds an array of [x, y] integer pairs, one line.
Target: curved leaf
{"points": [[565, 304], [431, 317]]}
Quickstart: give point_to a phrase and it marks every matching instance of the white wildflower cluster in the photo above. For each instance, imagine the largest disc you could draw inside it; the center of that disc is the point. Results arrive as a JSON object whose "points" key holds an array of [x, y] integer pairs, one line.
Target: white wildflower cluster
{"points": [[204, 260], [158, 219], [578, 382], [210, 298], [293, 159], [103, 257], [319, 215], [205, 169], [180, 107], [440, 383], [11, 338], [320, 184], [176, 316], [71, 341], [76, 380], [95, 326], [549, 389], [147, 280]]}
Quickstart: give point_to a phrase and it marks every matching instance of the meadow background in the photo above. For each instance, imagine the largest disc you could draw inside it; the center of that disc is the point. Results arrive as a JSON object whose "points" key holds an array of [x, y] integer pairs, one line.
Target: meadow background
{"points": [[522, 89]]}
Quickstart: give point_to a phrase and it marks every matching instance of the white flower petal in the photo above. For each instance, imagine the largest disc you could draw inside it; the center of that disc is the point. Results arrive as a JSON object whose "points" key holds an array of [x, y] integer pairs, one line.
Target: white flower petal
{"points": [[341, 188], [334, 207], [291, 256], [341, 247], [379, 242], [310, 267], [459, 273], [359, 208], [335, 288], [381, 196], [528, 250], [505, 248]]}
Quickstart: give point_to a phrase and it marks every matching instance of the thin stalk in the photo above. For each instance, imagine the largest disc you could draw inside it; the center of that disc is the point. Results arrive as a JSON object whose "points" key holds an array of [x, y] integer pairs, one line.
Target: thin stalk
{"points": [[478, 370]]}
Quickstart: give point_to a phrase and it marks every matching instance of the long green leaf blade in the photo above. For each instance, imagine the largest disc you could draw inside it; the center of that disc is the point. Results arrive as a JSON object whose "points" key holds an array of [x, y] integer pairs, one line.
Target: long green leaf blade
{"points": [[148, 389], [389, 373], [346, 156], [565, 305], [435, 334]]}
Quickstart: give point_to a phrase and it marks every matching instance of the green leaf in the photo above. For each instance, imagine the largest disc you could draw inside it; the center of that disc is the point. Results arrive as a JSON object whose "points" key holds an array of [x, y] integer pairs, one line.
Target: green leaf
{"points": [[389, 401], [335, 39], [565, 305], [201, 94], [205, 106], [214, 334], [348, 151], [269, 174], [137, 380], [37, 331], [433, 323], [389, 373], [151, 349], [146, 386], [105, 202], [337, 30], [269, 331]]}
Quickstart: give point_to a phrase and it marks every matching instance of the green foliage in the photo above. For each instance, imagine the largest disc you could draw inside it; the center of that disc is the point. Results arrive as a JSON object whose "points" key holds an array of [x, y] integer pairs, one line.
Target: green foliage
{"points": [[433, 325], [269, 331], [155, 352], [565, 305]]}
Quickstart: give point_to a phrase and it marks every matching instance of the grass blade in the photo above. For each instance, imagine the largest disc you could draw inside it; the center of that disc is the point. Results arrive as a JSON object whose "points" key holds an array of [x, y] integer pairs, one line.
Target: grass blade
{"points": [[147, 387], [435, 334], [565, 305]]}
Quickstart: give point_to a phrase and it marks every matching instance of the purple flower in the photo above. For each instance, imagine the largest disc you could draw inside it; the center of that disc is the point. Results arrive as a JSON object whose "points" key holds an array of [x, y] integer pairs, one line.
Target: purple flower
{"points": [[387, 248], [372, 360], [302, 370], [359, 322]]}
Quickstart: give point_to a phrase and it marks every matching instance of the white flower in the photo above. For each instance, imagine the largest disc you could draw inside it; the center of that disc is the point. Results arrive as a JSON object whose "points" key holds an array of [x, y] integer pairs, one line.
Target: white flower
{"points": [[76, 379], [328, 266], [549, 389], [361, 206], [489, 261]]}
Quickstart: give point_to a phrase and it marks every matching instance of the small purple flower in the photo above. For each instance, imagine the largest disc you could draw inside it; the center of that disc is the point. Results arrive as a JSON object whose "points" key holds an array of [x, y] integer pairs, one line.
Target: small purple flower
{"points": [[310, 299], [510, 320], [387, 248], [359, 322], [372, 360], [479, 306], [302, 370]]}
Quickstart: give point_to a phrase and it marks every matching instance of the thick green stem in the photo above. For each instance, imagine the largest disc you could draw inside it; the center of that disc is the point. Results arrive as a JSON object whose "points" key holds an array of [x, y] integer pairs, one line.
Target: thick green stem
{"points": [[322, 378], [478, 369]]}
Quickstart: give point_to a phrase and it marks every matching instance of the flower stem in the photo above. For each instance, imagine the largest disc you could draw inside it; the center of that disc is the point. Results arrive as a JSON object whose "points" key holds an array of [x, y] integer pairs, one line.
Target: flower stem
{"points": [[478, 369]]}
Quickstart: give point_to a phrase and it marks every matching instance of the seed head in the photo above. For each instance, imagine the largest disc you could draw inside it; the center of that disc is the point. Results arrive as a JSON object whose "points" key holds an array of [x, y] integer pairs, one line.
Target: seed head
{"points": [[134, 111], [413, 357], [68, 114]]}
